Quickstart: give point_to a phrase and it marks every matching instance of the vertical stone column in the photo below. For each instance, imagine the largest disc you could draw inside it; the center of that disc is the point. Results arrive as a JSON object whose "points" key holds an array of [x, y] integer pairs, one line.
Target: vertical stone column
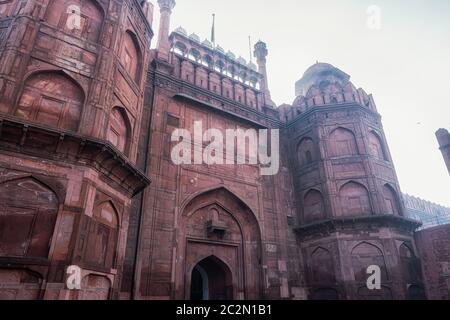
{"points": [[163, 44], [444, 144], [261, 53]]}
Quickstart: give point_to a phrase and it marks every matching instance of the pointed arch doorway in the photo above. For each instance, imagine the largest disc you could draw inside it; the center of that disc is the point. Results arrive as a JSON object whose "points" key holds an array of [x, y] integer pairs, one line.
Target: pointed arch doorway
{"points": [[219, 245], [211, 279]]}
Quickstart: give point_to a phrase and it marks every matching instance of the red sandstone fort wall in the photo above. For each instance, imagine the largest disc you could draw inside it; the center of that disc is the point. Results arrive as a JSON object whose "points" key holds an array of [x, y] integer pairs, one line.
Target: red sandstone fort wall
{"points": [[434, 249]]}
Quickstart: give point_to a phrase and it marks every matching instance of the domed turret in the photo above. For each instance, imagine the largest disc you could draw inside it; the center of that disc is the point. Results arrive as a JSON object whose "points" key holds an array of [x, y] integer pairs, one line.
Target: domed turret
{"points": [[195, 37], [319, 75], [207, 43], [181, 31], [323, 84], [231, 55]]}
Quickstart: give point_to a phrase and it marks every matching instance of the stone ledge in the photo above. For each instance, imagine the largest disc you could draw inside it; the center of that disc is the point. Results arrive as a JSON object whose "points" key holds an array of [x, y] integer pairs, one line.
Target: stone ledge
{"points": [[19, 136], [358, 223]]}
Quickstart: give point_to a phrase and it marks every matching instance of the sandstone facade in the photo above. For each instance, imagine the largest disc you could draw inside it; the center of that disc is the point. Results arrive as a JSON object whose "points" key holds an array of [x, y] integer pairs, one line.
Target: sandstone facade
{"points": [[87, 177]]}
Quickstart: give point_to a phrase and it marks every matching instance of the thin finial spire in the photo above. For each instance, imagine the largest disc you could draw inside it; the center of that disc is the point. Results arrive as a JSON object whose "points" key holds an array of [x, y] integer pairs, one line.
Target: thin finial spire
{"points": [[250, 48], [213, 30]]}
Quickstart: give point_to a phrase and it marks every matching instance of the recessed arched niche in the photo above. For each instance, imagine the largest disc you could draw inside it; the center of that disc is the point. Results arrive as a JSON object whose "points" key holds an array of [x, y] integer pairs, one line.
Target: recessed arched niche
{"points": [[354, 199], [79, 18], [376, 147], [119, 130], [52, 99], [313, 206], [131, 56], [28, 211], [342, 142]]}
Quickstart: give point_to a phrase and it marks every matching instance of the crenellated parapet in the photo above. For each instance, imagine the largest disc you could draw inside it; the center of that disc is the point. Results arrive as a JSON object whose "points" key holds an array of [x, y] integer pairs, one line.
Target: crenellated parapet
{"points": [[323, 85], [211, 68]]}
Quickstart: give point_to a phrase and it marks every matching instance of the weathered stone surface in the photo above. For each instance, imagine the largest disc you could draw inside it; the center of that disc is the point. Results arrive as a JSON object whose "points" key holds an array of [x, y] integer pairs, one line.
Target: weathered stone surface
{"points": [[86, 118], [434, 249], [69, 134]]}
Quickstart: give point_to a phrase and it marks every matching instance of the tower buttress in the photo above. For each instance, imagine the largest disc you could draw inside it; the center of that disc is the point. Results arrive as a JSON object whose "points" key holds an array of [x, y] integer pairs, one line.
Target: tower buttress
{"points": [[163, 44], [345, 180]]}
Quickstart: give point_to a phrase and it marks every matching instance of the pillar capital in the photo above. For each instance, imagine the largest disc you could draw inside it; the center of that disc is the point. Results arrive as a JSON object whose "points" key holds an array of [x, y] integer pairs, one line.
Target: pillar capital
{"points": [[166, 5], [261, 51]]}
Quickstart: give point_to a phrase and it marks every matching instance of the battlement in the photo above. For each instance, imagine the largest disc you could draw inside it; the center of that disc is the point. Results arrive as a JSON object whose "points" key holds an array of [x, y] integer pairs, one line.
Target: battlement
{"points": [[206, 54], [429, 213], [323, 85], [207, 66]]}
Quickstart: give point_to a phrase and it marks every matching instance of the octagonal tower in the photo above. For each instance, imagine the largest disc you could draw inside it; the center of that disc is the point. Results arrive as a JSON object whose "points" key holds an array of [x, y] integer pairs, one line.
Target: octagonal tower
{"points": [[348, 195]]}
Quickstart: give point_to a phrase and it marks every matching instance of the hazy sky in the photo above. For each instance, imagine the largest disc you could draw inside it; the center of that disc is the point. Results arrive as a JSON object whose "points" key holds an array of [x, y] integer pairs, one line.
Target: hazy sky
{"points": [[405, 64]]}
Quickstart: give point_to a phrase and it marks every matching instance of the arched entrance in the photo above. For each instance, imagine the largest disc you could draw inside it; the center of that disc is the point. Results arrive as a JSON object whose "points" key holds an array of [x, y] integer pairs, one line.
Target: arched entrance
{"points": [[219, 249], [211, 280]]}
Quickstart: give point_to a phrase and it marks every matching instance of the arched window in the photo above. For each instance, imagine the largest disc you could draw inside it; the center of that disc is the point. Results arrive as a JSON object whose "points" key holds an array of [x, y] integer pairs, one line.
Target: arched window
{"points": [[52, 99], [322, 267], [219, 66], [242, 76], [119, 129], [376, 147], [365, 255], [305, 152], [231, 72], [313, 206], [354, 200], [28, 212], [80, 18], [390, 198], [130, 56], [102, 239], [343, 143], [194, 55], [180, 49], [207, 61]]}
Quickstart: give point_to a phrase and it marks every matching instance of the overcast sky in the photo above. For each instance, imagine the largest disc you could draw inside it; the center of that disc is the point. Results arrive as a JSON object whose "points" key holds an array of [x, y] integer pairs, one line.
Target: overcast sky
{"points": [[405, 64]]}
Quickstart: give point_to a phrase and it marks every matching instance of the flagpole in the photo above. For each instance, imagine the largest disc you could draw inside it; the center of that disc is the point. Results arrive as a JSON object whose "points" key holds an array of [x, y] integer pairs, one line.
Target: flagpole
{"points": [[213, 31], [250, 48]]}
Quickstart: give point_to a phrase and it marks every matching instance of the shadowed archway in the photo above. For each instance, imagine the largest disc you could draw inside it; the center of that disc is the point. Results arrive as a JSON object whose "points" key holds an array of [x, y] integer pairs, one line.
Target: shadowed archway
{"points": [[211, 280]]}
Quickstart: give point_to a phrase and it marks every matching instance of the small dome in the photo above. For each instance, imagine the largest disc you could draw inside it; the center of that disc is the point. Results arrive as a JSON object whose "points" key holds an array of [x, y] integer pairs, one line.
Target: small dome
{"points": [[231, 55], [181, 31], [318, 75], [242, 61], [252, 66], [207, 43], [220, 49], [194, 37]]}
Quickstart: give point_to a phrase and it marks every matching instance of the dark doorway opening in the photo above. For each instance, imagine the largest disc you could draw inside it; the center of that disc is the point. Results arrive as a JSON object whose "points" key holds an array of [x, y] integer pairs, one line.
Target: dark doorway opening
{"points": [[211, 280]]}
